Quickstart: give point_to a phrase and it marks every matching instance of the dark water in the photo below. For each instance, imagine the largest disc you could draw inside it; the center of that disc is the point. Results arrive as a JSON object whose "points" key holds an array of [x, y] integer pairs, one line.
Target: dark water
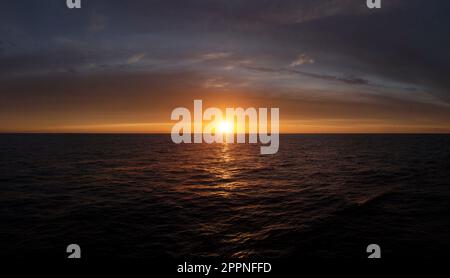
{"points": [[141, 196]]}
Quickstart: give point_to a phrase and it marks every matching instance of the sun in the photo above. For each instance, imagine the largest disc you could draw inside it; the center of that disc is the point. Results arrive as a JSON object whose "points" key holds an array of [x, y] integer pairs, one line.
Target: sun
{"points": [[225, 127]]}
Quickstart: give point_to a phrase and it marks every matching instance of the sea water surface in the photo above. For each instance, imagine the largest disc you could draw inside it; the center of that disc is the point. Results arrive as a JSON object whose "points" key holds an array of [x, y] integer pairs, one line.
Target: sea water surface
{"points": [[141, 196]]}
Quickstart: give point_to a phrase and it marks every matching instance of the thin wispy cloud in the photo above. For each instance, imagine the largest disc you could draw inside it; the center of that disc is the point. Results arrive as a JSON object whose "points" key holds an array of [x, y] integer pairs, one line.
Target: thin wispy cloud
{"points": [[215, 56], [302, 59], [136, 58]]}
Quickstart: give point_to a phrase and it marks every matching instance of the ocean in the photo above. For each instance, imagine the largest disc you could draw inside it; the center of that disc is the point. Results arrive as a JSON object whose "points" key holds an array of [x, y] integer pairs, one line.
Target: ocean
{"points": [[141, 196]]}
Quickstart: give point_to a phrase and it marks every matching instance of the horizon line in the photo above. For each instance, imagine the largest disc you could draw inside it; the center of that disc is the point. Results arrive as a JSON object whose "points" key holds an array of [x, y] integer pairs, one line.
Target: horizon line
{"points": [[168, 133]]}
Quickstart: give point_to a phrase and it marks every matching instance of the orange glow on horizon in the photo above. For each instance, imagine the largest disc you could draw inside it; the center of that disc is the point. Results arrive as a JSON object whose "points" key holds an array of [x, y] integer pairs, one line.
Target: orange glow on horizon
{"points": [[286, 127]]}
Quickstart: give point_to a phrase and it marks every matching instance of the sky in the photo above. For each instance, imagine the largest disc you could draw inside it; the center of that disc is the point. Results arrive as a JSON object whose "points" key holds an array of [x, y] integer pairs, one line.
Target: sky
{"points": [[123, 66]]}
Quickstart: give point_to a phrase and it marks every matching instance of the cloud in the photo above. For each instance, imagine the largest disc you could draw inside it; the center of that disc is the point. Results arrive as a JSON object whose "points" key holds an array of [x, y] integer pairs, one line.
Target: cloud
{"points": [[135, 58], [349, 80], [215, 56], [98, 23], [216, 83], [302, 59]]}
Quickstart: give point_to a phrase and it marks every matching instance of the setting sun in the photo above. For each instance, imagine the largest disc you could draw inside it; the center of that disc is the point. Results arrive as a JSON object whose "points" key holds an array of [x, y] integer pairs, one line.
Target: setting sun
{"points": [[225, 127]]}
